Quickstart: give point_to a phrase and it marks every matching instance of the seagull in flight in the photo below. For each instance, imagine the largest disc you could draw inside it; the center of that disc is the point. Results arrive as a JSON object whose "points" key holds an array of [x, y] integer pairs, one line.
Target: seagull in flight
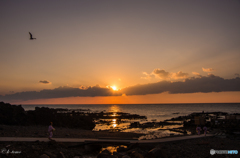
{"points": [[31, 38]]}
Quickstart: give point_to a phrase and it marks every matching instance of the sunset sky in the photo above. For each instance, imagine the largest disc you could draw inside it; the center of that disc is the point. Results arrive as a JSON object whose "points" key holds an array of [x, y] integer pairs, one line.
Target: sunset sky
{"points": [[117, 52]]}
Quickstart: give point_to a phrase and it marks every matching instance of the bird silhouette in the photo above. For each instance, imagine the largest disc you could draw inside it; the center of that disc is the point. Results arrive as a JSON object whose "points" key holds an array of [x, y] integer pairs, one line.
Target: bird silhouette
{"points": [[31, 38]]}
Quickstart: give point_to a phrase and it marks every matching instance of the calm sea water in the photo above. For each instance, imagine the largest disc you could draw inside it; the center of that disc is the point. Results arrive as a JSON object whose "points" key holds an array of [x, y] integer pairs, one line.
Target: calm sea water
{"points": [[159, 112]]}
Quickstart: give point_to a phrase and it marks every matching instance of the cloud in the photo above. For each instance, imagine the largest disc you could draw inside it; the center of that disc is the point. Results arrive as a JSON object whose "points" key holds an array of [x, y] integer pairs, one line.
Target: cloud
{"points": [[202, 84], [62, 92], [147, 76], [161, 73], [196, 73], [208, 69], [179, 74], [45, 82]]}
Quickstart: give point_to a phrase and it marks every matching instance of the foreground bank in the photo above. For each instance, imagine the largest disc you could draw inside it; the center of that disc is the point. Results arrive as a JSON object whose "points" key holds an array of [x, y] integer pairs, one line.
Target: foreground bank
{"points": [[199, 147]]}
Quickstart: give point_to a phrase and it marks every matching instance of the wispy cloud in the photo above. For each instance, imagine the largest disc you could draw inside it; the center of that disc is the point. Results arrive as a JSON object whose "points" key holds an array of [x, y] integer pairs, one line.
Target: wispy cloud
{"points": [[147, 76], [162, 74], [180, 75], [208, 69], [196, 73]]}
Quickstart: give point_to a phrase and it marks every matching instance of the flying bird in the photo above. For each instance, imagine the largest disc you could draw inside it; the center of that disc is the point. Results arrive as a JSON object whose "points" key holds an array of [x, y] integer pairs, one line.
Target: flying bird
{"points": [[31, 38]]}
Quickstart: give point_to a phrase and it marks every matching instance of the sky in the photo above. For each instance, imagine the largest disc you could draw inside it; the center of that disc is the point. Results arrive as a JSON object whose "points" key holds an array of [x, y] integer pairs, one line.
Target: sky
{"points": [[119, 52]]}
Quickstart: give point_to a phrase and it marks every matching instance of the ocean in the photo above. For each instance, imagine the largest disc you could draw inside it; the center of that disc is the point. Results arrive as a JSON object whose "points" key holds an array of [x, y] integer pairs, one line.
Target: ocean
{"points": [[156, 112], [159, 112]]}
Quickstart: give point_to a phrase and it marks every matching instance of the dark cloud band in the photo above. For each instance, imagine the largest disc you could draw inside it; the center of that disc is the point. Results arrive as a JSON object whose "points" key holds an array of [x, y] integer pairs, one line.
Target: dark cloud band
{"points": [[202, 84], [61, 92], [191, 85]]}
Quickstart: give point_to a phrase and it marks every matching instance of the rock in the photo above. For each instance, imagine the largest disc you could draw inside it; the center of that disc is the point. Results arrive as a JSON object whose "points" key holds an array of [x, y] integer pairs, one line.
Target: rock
{"points": [[60, 155], [103, 155], [12, 114], [44, 156], [203, 143], [134, 124], [164, 147], [132, 146], [126, 156], [119, 155], [135, 154], [78, 155], [156, 153], [16, 115], [92, 147], [146, 146], [52, 142], [37, 142], [33, 147], [50, 154], [106, 152], [121, 149], [43, 136]]}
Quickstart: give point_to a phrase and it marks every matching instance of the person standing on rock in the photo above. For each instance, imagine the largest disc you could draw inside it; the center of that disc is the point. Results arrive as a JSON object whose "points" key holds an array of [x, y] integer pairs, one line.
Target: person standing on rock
{"points": [[205, 130], [198, 129], [50, 131]]}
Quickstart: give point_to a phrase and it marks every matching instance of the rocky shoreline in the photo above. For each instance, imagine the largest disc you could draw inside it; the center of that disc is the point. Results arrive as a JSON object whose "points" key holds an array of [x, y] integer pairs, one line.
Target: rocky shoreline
{"points": [[16, 122], [61, 132]]}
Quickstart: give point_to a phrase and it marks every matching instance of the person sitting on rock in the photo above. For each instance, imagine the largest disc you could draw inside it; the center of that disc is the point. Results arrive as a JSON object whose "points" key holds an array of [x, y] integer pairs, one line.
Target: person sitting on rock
{"points": [[50, 131]]}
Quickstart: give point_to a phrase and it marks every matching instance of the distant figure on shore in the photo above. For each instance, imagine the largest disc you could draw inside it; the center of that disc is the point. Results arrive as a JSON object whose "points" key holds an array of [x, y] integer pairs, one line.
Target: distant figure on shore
{"points": [[205, 130], [198, 129], [31, 38], [50, 131]]}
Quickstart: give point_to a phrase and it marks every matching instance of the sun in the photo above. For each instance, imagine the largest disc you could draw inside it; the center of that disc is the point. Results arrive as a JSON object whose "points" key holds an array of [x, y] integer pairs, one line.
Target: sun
{"points": [[114, 88]]}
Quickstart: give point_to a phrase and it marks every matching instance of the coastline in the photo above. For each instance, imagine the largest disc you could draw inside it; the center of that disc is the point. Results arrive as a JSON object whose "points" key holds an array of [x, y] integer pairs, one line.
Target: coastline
{"points": [[14, 126], [61, 132]]}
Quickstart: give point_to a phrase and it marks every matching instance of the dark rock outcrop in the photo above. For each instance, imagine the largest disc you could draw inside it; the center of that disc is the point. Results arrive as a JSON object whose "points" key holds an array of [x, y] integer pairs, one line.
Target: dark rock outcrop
{"points": [[16, 115], [12, 114]]}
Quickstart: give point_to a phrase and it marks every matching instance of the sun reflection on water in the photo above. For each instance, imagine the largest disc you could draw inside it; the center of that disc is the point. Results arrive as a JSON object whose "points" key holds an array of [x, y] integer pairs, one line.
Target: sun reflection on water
{"points": [[114, 108]]}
